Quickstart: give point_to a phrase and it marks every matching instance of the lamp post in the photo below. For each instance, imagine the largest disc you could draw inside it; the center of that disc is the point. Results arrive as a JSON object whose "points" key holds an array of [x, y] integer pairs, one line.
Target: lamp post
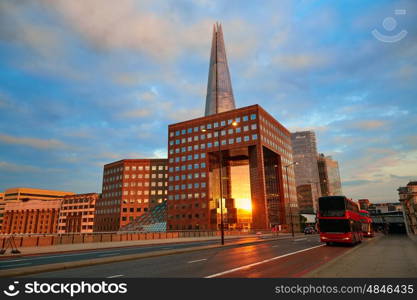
{"points": [[218, 131], [289, 198]]}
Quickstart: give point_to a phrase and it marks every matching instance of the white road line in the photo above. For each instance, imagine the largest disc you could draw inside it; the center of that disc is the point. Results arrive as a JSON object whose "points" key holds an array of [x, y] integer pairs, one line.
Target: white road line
{"points": [[108, 254], [8, 261], [193, 261], [115, 276], [303, 239], [261, 262], [16, 265]]}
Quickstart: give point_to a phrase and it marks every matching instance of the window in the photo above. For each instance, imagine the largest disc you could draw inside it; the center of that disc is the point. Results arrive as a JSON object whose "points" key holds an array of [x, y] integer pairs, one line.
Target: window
{"points": [[223, 132], [231, 141], [245, 128], [253, 126], [253, 116], [254, 136], [209, 145], [203, 165], [246, 138], [223, 123], [195, 129], [216, 124], [223, 142], [238, 130], [245, 118]]}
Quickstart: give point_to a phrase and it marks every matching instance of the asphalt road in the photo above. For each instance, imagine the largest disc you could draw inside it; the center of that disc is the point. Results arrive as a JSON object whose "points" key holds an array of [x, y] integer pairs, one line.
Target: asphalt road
{"points": [[217, 262], [42, 259]]}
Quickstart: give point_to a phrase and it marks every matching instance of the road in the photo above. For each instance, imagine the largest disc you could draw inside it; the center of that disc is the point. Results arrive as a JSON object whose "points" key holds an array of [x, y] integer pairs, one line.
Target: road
{"points": [[280, 258], [42, 259]]}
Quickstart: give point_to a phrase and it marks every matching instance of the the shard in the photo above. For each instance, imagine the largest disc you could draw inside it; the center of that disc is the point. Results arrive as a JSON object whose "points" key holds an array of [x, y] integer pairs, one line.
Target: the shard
{"points": [[219, 87]]}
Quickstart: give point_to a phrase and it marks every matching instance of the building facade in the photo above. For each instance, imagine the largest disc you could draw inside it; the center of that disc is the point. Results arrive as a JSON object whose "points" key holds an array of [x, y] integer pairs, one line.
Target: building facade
{"points": [[31, 216], [408, 199], [130, 188], [246, 149], [2, 205], [24, 194], [330, 183], [304, 149], [364, 204], [77, 213]]}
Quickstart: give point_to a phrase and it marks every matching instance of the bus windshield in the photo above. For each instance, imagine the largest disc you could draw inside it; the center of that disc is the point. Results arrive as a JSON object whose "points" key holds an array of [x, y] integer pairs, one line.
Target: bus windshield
{"points": [[332, 206], [334, 226]]}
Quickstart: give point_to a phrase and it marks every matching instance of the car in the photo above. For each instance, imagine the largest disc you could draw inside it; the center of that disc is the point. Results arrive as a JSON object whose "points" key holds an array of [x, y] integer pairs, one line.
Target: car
{"points": [[309, 230]]}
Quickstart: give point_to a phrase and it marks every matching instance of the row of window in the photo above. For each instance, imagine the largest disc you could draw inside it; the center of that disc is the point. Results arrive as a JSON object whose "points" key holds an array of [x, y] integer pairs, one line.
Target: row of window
{"points": [[187, 167], [275, 129], [189, 176], [215, 134], [145, 192], [140, 184], [82, 227], [79, 213], [222, 123], [77, 207], [187, 157], [184, 186], [146, 168], [194, 196], [230, 141]]}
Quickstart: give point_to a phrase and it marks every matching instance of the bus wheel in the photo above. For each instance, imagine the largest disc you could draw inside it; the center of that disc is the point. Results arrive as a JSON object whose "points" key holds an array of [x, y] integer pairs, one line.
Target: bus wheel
{"points": [[329, 243]]}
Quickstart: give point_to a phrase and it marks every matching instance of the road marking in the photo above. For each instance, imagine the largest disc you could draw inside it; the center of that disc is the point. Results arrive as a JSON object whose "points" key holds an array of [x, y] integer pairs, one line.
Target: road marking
{"points": [[303, 239], [275, 246], [16, 265], [115, 276], [261, 262], [108, 254], [8, 261], [193, 261]]}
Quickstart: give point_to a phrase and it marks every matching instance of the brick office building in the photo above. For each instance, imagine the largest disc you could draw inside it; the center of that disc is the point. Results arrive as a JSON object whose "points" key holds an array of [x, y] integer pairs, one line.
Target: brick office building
{"points": [[254, 153], [31, 216], [77, 213], [246, 149], [130, 188]]}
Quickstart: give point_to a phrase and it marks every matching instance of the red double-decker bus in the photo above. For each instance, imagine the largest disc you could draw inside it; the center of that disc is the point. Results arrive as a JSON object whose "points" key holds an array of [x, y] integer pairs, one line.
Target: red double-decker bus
{"points": [[339, 220], [366, 221]]}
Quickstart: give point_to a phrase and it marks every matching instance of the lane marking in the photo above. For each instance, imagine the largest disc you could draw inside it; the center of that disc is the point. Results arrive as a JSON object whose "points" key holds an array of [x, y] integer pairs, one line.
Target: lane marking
{"points": [[115, 276], [8, 261], [193, 261], [303, 239], [15, 265], [261, 262], [108, 254]]}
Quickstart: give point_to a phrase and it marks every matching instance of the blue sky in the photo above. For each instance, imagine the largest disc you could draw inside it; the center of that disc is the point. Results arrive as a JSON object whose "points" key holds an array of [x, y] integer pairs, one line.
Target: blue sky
{"points": [[84, 83]]}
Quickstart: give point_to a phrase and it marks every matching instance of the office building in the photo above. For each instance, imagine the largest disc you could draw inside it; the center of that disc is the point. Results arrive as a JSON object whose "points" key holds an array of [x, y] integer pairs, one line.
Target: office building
{"points": [[307, 179], [231, 163], [130, 188], [77, 213], [408, 199], [2, 204], [31, 216], [25, 194], [330, 183]]}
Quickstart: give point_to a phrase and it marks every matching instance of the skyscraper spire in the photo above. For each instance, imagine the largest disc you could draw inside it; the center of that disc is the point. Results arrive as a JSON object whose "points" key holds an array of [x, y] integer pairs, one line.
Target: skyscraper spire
{"points": [[219, 87]]}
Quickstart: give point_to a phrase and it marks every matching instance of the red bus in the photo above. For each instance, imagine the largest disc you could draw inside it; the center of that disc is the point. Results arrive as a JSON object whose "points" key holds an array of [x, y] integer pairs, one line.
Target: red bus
{"points": [[366, 221], [339, 220]]}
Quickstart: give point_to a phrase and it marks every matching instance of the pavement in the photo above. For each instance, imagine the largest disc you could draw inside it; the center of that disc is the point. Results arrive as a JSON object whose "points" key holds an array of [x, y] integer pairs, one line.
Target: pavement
{"points": [[388, 256]]}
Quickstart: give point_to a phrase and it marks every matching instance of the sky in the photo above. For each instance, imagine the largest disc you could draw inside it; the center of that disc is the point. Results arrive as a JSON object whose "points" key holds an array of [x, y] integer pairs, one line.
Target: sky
{"points": [[85, 83]]}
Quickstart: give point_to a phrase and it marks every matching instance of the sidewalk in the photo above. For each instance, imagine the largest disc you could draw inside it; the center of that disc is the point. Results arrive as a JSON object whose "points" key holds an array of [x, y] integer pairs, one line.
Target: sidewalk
{"points": [[390, 256], [106, 245]]}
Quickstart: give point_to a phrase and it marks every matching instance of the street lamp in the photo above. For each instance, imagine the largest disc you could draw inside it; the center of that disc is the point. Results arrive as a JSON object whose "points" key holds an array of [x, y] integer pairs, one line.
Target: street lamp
{"points": [[289, 198], [218, 130]]}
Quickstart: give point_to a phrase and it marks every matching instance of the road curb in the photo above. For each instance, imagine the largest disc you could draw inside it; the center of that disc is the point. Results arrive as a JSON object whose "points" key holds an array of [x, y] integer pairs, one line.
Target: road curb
{"points": [[97, 261], [336, 259]]}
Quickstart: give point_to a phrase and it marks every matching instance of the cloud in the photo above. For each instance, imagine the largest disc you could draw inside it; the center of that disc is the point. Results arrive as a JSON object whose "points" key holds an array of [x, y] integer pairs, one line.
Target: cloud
{"points": [[126, 24], [11, 167], [369, 125], [43, 144]]}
